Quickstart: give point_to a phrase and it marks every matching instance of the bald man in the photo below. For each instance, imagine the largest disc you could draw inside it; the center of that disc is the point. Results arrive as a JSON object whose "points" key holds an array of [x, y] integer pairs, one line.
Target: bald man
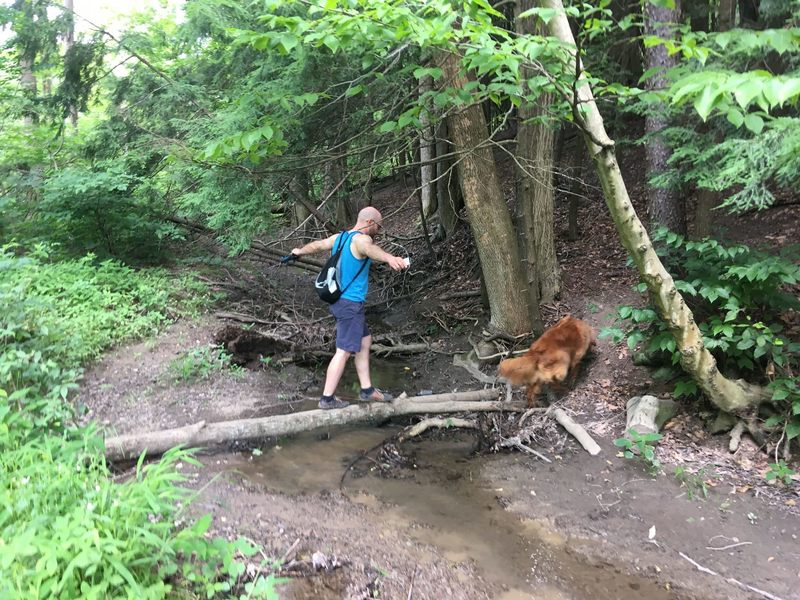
{"points": [[352, 334]]}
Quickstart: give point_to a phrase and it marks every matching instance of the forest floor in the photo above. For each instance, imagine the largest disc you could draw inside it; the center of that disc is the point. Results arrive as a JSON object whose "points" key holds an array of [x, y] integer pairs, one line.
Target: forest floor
{"points": [[439, 516]]}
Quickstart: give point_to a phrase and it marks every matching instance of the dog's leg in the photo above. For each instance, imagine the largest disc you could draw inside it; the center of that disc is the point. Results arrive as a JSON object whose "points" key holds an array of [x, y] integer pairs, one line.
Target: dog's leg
{"points": [[531, 392]]}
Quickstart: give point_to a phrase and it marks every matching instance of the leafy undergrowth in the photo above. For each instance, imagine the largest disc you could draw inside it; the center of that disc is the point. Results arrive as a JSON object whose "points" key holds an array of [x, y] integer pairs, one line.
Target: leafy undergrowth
{"points": [[745, 304], [67, 528]]}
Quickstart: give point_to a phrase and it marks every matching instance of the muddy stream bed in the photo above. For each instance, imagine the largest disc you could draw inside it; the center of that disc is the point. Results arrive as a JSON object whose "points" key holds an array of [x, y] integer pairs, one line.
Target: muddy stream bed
{"points": [[441, 500]]}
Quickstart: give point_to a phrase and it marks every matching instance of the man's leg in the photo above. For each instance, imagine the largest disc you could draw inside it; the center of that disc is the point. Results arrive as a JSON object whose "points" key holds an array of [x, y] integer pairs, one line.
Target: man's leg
{"points": [[335, 370], [362, 363]]}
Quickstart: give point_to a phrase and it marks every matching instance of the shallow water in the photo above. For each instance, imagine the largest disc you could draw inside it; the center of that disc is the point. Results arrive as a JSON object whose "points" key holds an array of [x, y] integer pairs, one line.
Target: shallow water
{"points": [[445, 503]]}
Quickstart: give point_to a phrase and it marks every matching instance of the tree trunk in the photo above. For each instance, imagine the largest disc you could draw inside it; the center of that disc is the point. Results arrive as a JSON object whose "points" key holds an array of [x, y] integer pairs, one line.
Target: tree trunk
{"points": [[298, 188], [487, 211], [727, 15], [708, 199], [535, 194], [666, 205], [69, 41], [448, 192], [344, 208], [131, 446], [427, 146], [28, 83], [696, 360]]}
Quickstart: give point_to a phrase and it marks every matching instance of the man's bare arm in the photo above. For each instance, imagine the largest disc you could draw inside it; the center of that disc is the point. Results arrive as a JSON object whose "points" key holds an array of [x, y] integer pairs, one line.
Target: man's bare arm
{"points": [[315, 247], [366, 247]]}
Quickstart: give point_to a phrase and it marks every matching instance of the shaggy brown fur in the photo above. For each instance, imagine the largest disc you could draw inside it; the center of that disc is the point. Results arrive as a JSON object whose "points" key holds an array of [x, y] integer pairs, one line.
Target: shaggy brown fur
{"points": [[557, 352]]}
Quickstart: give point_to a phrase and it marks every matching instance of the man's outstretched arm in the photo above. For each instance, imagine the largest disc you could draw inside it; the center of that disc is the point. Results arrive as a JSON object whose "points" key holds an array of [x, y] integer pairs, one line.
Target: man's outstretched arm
{"points": [[315, 246]]}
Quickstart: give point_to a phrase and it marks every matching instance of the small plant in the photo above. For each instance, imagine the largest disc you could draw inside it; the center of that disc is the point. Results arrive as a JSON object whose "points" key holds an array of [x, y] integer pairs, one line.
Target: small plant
{"points": [[201, 363], [694, 483], [640, 445], [781, 471]]}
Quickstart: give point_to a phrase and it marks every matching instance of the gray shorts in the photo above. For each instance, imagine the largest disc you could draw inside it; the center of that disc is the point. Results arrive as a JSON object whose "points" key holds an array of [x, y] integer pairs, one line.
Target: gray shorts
{"points": [[351, 324]]}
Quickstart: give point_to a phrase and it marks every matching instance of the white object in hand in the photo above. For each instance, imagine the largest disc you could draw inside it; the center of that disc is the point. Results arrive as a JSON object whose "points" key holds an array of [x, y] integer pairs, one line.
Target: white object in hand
{"points": [[407, 261]]}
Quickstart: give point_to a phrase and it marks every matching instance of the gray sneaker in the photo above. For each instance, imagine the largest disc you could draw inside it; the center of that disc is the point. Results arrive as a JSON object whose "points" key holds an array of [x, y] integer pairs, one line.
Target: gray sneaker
{"points": [[335, 403], [375, 396]]}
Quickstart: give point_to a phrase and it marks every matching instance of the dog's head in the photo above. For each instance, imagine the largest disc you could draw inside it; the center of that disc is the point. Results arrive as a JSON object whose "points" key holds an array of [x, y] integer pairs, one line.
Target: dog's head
{"points": [[523, 370]]}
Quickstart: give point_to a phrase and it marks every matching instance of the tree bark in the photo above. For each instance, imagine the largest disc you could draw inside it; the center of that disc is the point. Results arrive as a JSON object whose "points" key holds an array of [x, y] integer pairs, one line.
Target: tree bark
{"points": [[535, 193], [666, 206], [729, 395], [131, 446], [488, 213]]}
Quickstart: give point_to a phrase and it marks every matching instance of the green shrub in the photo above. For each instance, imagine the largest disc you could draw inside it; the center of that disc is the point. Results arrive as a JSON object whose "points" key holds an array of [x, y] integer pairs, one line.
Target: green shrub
{"points": [[737, 296], [67, 529]]}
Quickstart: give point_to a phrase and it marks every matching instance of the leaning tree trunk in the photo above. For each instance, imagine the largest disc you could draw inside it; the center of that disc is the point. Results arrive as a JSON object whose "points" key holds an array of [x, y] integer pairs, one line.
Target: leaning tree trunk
{"points": [[666, 206], [535, 193], [696, 360], [487, 211]]}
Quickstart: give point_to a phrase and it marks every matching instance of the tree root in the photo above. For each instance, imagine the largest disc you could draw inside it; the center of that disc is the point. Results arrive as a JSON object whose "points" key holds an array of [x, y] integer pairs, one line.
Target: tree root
{"points": [[576, 431], [428, 423]]}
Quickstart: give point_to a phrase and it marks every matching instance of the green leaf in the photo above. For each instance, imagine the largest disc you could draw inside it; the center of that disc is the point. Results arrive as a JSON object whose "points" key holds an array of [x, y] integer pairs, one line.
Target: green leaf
{"points": [[746, 91], [707, 100], [754, 123], [735, 117]]}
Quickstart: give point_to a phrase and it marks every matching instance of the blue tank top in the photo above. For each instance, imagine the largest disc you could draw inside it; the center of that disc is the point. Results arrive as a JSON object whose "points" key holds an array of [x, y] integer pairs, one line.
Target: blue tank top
{"points": [[357, 290]]}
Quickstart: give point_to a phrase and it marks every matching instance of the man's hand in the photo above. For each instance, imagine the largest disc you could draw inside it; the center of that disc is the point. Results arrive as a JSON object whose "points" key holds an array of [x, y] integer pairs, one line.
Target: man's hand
{"points": [[397, 263], [290, 257]]}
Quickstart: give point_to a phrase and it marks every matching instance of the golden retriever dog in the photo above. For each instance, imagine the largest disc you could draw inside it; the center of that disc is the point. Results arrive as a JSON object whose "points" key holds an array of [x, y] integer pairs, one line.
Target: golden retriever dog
{"points": [[556, 353]]}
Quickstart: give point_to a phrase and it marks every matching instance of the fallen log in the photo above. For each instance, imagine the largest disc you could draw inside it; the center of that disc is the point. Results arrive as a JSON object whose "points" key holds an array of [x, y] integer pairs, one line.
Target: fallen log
{"points": [[130, 446]]}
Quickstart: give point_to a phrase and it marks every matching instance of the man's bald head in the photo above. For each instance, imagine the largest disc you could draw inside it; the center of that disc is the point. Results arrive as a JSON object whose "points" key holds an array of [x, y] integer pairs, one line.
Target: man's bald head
{"points": [[370, 213]]}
